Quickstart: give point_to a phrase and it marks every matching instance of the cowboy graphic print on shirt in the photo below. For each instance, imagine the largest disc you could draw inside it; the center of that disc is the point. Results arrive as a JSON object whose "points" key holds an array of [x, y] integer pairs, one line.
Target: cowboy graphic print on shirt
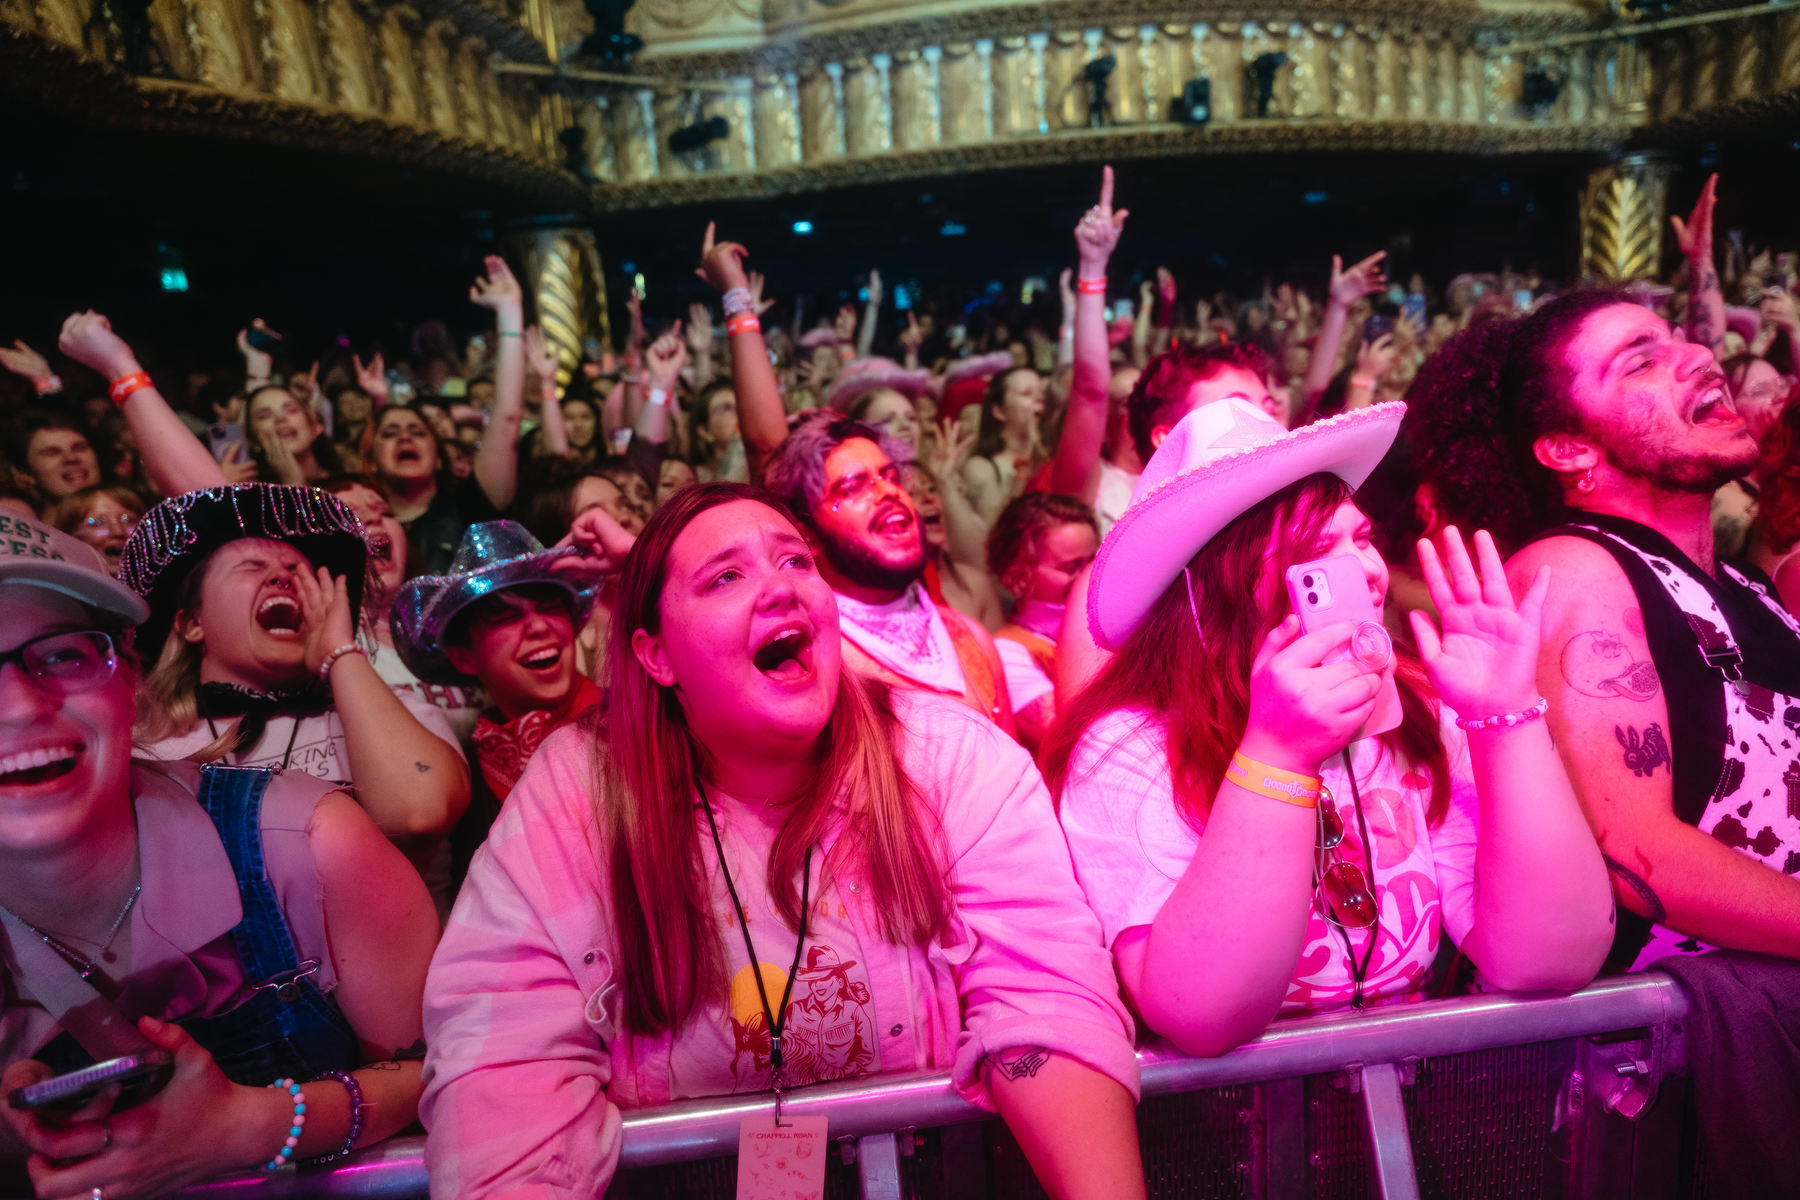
{"points": [[830, 1029]]}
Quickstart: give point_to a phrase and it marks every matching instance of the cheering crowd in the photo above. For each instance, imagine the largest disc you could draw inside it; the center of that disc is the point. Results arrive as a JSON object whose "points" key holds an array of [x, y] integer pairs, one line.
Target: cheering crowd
{"points": [[502, 742]]}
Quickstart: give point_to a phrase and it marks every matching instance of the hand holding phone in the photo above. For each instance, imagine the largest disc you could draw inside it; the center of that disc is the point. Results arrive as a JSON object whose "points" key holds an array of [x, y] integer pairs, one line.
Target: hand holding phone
{"points": [[136, 1076], [1306, 704], [1331, 592]]}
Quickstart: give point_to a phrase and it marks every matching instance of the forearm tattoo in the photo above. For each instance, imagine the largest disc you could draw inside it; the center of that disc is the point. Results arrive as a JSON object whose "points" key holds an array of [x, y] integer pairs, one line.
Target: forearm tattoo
{"points": [[1646, 751], [1653, 904], [1598, 663], [1018, 1062]]}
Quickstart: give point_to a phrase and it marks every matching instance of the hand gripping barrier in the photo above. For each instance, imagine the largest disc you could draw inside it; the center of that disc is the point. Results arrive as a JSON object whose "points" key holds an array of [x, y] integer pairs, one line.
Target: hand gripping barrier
{"points": [[1372, 1054]]}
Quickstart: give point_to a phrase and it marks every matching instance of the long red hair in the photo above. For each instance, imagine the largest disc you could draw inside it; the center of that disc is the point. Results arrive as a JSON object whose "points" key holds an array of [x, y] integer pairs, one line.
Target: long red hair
{"points": [[650, 766], [1202, 692]]}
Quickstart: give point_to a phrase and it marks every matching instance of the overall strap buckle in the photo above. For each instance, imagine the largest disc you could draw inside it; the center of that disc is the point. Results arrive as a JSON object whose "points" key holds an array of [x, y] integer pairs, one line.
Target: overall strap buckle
{"points": [[287, 984]]}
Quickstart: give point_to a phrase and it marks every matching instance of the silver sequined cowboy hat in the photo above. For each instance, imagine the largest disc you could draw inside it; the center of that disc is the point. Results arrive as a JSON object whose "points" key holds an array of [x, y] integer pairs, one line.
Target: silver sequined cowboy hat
{"points": [[176, 535], [1219, 461], [494, 556]]}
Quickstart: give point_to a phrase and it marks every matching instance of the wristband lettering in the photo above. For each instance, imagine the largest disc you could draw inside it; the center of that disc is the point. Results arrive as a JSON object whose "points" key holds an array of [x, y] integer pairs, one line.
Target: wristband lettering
{"points": [[1091, 287], [658, 396], [125, 385], [1289, 787], [743, 323]]}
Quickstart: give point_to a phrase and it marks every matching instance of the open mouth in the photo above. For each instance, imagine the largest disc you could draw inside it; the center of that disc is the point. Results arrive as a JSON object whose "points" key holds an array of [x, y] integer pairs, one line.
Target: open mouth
{"points": [[28, 767], [1715, 408], [786, 656], [894, 521], [381, 549], [280, 616], [407, 454], [542, 660]]}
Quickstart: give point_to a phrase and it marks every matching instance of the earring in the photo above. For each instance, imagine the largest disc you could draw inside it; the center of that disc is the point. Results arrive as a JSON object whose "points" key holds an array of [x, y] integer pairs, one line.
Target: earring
{"points": [[1585, 485]]}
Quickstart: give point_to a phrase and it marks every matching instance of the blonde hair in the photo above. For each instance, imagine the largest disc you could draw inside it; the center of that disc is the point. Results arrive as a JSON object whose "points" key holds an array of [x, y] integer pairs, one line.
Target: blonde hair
{"points": [[168, 702], [649, 769]]}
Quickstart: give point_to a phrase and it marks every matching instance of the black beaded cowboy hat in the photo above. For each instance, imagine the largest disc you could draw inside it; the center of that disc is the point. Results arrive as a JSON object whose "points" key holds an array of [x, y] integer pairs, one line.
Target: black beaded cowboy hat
{"points": [[176, 535]]}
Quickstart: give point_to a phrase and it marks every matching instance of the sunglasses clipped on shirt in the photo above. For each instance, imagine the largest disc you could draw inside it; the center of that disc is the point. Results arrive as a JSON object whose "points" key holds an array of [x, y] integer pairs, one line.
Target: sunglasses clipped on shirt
{"points": [[1343, 896], [63, 664]]}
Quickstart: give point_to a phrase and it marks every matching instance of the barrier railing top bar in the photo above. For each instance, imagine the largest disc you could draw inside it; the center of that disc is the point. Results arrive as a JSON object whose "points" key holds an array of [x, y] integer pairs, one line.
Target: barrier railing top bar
{"points": [[708, 1128]]}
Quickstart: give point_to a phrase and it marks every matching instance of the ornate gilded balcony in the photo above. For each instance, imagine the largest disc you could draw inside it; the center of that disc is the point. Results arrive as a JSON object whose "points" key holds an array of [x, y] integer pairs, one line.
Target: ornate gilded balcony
{"points": [[822, 93], [412, 82]]}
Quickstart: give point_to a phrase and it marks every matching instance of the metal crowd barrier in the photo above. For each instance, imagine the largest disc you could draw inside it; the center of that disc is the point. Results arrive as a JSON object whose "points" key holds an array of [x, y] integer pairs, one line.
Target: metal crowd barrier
{"points": [[1626, 1034]]}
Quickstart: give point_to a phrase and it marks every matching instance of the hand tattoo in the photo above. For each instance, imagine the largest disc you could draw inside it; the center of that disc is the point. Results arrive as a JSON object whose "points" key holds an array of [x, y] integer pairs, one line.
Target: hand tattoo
{"points": [[1598, 663], [1652, 903], [1019, 1062], [1644, 752]]}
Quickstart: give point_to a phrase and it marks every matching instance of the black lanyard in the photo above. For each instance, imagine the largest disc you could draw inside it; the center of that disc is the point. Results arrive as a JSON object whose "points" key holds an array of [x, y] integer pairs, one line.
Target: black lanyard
{"points": [[737, 908], [1360, 971]]}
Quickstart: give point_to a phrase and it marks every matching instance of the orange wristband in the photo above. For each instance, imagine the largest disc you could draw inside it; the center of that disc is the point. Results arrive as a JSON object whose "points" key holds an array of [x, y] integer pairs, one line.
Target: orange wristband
{"points": [[743, 323], [124, 385], [1289, 787], [1091, 287]]}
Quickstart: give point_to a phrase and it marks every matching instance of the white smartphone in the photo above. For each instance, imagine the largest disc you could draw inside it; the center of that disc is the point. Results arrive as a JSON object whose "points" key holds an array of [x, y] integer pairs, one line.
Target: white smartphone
{"points": [[1327, 591]]}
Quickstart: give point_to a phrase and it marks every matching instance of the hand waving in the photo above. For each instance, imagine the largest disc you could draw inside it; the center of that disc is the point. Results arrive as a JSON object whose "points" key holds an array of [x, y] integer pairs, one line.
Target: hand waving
{"points": [[497, 289], [23, 360], [1484, 660], [1097, 233], [371, 376], [1347, 287], [1695, 235]]}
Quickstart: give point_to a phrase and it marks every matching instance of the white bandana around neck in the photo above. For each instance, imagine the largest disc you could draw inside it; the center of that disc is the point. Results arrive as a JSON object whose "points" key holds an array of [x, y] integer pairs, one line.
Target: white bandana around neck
{"points": [[907, 636]]}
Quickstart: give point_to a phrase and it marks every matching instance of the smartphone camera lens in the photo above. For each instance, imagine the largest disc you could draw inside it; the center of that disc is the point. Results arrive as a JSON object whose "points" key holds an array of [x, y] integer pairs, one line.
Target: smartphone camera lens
{"points": [[1312, 597]]}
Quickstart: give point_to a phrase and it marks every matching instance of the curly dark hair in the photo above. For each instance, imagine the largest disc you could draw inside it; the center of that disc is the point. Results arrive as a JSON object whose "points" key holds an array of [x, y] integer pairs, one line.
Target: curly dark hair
{"points": [[1479, 404], [1160, 397]]}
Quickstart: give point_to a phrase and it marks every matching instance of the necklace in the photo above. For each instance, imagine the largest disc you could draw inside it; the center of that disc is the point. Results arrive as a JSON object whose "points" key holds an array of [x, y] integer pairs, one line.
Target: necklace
{"points": [[86, 967]]}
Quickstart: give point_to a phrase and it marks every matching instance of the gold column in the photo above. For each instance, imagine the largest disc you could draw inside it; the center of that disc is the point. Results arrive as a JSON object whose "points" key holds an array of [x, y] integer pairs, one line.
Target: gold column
{"points": [[434, 74], [777, 122], [1786, 70], [1385, 74], [1707, 50], [63, 20], [1623, 208], [170, 22], [1222, 61], [563, 275], [290, 50], [1578, 90], [225, 43], [1015, 87], [819, 116], [349, 54], [1418, 93], [868, 125], [1750, 58], [964, 97], [1065, 92], [1308, 52], [1669, 68], [401, 76], [468, 63]]}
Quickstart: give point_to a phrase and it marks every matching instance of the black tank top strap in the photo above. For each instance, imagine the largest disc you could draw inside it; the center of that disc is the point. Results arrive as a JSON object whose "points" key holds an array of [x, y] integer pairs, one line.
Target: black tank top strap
{"points": [[1697, 727]]}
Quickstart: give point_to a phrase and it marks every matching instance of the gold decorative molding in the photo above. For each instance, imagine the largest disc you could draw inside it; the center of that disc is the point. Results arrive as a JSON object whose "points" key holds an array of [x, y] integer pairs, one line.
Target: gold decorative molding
{"points": [[1623, 208], [563, 270]]}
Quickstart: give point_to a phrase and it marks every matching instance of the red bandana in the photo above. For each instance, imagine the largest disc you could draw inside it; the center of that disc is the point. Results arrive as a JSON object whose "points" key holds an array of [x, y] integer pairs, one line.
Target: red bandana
{"points": [[502, 750]]}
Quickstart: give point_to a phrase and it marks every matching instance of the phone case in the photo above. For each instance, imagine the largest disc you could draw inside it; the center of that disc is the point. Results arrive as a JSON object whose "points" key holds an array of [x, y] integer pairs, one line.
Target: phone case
{"points": [[1327, 591], [72, 1090]]}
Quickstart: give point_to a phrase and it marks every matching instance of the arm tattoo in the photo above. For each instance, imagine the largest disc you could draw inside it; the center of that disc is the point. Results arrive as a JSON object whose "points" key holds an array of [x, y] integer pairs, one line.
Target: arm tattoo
{"points": [[1019, 1062], [1646, 751], [1652, 903], [422, 767], [1598, 663], [411, 1053]]}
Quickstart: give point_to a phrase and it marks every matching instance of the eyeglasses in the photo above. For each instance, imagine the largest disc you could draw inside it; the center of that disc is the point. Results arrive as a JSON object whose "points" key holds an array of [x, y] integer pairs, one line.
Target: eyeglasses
{"points": [[1342, 894], [123, 522], [856, 485], [63, 664]]}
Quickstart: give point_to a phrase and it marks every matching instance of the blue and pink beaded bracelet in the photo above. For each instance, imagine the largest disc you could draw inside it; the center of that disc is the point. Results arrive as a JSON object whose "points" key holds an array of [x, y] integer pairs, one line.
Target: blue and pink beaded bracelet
{"points": [[293, 1134], [1507, 720]]}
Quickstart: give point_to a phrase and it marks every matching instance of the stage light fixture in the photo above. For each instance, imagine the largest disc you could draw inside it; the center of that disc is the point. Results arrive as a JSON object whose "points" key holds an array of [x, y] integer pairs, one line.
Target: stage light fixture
{"points": [[1098, 73], [1194, 105], [698, 136], [803, 226], [1261, 79], [952, 229], [609, 42]]}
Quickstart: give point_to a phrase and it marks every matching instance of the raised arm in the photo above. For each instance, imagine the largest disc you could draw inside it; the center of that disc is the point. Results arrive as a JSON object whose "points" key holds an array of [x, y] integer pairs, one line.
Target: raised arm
{"points": [[1605, 699], [700, 344], [497, 461], [1075, 470], [1347, 287], [761, 417], [412, 782], [865, 338], [23, 361], [175, 459], [664, 360], [1706, 300], [540, 356], [1543, 908]]}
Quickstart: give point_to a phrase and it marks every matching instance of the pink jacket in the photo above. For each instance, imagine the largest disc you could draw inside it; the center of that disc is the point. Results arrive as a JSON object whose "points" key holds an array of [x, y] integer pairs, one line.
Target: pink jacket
{"points": [[528, 1069]]}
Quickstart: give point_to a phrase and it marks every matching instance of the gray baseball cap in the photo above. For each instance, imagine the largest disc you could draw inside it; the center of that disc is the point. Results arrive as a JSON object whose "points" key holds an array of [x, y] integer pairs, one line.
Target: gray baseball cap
{"points": [[32, 554]]}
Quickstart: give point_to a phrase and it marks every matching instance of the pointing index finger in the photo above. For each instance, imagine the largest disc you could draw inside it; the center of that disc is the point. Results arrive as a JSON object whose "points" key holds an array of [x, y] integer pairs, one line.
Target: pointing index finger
{"points": [[1106, 189]]}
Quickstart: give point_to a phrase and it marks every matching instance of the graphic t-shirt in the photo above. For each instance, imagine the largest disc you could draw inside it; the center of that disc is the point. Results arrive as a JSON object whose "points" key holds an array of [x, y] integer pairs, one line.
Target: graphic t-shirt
{"points": [[1131, 846], [830, 1030]]}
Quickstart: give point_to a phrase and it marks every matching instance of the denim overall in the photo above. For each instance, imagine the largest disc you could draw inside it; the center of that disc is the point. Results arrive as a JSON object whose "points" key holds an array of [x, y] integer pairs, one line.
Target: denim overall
{"points": [[286, 1026]]}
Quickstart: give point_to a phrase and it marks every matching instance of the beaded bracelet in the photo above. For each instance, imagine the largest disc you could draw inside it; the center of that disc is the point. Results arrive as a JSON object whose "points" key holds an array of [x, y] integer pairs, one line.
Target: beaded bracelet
{"points": [[1507, 720], [356, 1114], [337, 653], [743, 323], [1091, 287], [122, 387], [738, 300], [1289, 787], [293, 1134]]}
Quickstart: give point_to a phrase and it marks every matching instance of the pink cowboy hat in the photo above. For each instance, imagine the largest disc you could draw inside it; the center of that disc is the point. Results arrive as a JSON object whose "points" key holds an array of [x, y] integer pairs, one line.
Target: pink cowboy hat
{"points": [[864, 375], [1219, 462]]}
